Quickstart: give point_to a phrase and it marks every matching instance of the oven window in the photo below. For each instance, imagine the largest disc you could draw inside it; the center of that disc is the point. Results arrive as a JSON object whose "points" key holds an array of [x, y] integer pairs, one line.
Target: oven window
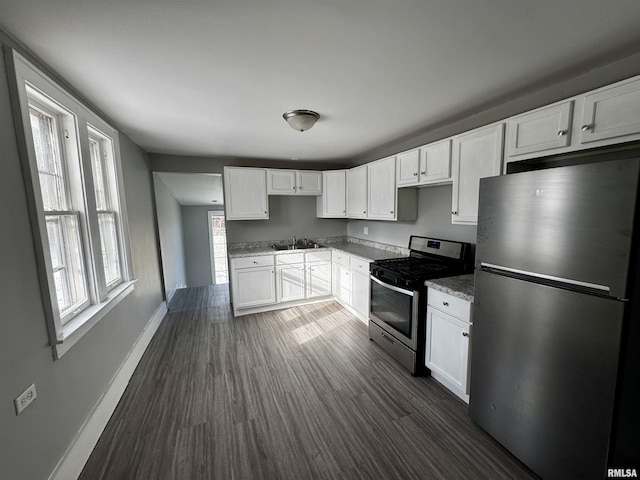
{"points": [[393, 308]]}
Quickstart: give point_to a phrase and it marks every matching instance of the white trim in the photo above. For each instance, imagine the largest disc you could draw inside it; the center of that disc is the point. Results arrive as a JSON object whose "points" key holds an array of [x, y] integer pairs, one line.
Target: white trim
{"points": [[176, 287], [72, 462], [83, 322], [212, 258]]}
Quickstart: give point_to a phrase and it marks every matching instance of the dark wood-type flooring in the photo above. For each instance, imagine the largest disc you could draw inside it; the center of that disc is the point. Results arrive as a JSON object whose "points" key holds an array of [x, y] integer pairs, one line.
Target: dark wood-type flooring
{"points": [[300, 394]]}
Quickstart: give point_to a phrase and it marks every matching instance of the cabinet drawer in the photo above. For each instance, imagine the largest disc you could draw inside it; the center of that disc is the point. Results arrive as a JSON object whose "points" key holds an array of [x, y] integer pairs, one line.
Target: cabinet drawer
{"points": [[340, 257], [322, 256], [257, 261], [289, 258], [359, 265], [449, 304]]}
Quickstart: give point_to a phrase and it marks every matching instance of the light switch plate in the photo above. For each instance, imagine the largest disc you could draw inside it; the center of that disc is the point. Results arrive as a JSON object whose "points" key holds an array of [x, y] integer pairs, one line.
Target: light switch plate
{"points": [[366, 230]]}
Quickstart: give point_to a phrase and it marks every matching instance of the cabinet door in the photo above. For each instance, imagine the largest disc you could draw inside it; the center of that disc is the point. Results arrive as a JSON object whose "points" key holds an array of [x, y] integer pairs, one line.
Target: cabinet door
{"points": [[447, 348], [542, 129], [407, 168], [334, 194], [245, 193], [360, 294], [309, 182], [435, 162], [357, 192], [476, 155], [318, 279], [253, 287], [341, 286], [611, 112], [281, 182], [382, 189], [290, 282]]}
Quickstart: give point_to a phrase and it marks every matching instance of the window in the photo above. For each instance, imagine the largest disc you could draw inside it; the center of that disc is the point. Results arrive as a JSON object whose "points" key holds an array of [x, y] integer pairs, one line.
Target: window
{"points": [[76, 197], [218, 248], [104, 184]]}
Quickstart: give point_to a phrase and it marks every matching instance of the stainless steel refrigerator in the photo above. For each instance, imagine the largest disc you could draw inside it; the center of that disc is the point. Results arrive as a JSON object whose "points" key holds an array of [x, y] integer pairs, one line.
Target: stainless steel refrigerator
{"points": [[554, 369]]}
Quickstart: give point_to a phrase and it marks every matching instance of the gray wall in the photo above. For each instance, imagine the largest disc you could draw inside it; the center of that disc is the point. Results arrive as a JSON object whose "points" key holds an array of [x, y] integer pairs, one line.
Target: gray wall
{"points": [[170, 228], [288, 216], [514, 102], [196, 243], [32, 444], [434, 220]]}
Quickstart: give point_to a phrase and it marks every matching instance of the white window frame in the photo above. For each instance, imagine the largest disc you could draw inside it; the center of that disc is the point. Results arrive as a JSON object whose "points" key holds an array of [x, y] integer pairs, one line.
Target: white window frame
{"points": [[29, 84]]}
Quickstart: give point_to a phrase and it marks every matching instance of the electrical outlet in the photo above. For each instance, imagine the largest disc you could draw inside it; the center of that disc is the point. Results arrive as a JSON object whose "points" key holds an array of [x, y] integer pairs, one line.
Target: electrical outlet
{"points": [[25, 398], [366, 230]]}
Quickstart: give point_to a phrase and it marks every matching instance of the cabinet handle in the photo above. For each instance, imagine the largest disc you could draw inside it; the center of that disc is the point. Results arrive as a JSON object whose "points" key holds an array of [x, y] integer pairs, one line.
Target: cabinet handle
{"points": [[423, 173], [454, 213], [391, 211], [465, 334], [299, 188], [364, 211], [415, 174], [586, 128], [255, 262], [446, 304], [562, 133]]}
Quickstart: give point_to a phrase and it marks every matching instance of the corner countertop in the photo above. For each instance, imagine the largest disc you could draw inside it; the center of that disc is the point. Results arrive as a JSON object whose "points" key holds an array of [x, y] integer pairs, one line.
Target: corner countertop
{"points": [[460, 286], [367, 250]]}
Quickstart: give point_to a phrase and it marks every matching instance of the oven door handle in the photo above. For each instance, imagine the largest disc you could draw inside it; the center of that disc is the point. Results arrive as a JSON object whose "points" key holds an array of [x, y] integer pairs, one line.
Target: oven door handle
{"points": [[391, 287]]}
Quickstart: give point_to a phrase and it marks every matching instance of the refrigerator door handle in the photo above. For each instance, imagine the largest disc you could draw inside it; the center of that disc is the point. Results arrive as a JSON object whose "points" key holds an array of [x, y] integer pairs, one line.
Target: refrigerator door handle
{"points": [[542, 278]]}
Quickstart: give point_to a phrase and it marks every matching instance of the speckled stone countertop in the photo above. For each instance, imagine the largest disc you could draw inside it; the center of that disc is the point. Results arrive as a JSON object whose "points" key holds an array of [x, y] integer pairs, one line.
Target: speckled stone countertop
{"points": [[460, 286], [368, 250]]}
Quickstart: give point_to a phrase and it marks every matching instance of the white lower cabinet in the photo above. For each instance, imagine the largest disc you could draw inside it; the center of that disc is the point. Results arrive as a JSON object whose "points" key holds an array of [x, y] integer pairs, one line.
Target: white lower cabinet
{"points": [[447, 341], [341, 287], [253, 281], [360, 286], [351, 283], [290, 282], [318, 279], [268, 282]]}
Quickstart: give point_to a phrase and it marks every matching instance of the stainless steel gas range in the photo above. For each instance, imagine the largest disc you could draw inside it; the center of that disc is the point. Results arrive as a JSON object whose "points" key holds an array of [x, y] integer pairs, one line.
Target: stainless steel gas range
{"points": [[398, 295]]}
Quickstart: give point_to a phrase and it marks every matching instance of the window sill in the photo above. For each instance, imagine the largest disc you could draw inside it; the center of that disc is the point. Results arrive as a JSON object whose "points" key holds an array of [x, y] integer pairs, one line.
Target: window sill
{"points": [[81, 324]]}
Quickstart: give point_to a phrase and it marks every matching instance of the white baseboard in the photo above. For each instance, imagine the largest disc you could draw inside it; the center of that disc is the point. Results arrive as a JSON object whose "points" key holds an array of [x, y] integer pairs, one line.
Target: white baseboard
{"points": [[176, 287], [72, 462]]}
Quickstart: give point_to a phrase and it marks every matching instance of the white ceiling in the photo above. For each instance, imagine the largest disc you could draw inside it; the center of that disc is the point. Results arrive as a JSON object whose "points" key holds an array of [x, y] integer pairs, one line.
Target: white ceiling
{"points": [[194, 188], [213, 77]]}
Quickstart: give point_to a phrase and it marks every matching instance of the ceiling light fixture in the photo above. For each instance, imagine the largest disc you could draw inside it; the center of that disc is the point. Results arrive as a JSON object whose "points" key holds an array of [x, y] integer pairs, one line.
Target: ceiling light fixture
{"points": [[301, 120]]}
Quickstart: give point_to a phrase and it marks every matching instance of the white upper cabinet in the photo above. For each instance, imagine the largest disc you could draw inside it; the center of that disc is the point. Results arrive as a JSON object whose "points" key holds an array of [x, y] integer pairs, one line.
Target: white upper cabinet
{"points": [[602, 117], [294, 182], [281, 182], [476, 154], [408, 168], [426, 165], [357, 192], [542, 129], [611, 112], [245, 193], [333, 201], [382, 189], [309, 182], [435, 163]]}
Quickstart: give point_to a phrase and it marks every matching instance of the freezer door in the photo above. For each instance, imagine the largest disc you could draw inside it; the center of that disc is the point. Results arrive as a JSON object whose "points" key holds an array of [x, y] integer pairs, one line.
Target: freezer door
{"points": [[543, 373], [572, 222]]}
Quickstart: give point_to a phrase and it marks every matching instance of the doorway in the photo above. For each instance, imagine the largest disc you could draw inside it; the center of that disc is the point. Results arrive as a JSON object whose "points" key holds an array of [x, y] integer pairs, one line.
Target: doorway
{"points": [[218, 247]]}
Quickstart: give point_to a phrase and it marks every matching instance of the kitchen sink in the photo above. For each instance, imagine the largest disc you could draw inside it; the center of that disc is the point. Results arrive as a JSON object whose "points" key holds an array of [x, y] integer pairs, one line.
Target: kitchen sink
{"points": [[295, 247]]}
